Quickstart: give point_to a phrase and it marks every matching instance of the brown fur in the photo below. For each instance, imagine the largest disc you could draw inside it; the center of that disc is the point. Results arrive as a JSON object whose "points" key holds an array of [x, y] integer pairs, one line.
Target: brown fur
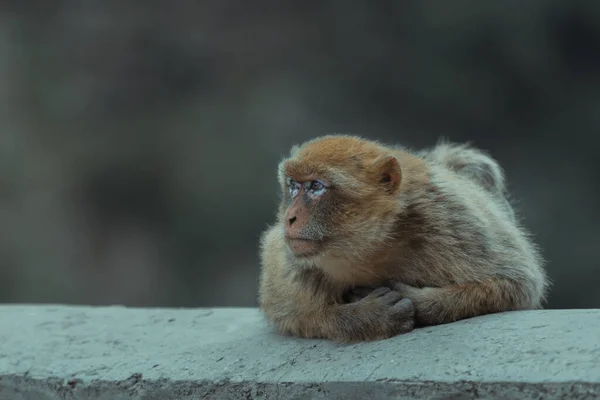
{"points": [[444, 242]]}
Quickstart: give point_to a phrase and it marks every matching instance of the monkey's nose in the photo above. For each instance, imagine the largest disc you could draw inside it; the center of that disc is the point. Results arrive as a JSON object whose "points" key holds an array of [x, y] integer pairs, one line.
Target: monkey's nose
{"points": [[291, 220]]}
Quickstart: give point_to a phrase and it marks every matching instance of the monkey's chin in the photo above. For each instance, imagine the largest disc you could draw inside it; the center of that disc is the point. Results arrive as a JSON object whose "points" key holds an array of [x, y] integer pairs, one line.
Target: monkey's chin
{"points": [[304, 248]]}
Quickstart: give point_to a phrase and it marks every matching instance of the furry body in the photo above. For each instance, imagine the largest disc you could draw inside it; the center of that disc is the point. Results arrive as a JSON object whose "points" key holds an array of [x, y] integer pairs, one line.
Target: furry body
{"points": [[430, 242]]}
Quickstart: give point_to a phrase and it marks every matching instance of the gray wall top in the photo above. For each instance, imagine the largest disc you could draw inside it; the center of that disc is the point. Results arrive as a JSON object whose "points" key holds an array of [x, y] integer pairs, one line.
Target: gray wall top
{"points": [[115, 352]]}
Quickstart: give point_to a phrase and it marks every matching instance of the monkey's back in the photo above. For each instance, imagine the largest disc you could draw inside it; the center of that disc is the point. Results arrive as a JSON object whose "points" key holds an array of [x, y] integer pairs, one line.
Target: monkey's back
{"points": [[474, 164], [455, 232]]}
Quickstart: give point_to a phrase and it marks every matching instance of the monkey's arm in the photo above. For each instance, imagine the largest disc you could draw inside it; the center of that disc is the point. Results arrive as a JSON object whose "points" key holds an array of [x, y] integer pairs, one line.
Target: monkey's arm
{"points": [[299, 307], [381, 314], [455, 302]]}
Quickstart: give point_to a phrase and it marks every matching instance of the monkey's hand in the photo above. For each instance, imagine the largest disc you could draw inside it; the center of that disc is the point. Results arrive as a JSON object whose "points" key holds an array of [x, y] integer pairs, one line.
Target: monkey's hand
{"points": [[405, 290], [358, 293], [386, 312]]}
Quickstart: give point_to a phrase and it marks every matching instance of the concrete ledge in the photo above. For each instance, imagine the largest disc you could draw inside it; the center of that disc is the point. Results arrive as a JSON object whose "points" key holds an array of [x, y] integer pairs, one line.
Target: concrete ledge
{"points": [[57, 352]]}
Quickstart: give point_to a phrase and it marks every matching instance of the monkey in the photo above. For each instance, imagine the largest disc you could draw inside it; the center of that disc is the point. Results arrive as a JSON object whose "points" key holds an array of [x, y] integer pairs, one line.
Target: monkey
{"points": [[372, 241]]}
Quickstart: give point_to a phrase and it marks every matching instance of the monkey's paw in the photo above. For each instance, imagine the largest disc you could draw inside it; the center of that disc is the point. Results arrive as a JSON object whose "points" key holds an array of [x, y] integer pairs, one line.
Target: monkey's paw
{"points": [[395, 313], [404, 289]]}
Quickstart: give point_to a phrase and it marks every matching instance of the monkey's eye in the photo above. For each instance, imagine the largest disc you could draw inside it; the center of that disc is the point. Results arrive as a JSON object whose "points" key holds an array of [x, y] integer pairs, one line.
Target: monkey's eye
{"points": [[317, 187], [293, 186]]}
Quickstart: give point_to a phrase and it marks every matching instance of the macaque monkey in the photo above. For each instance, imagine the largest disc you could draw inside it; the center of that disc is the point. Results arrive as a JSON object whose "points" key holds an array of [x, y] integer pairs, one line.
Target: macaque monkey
{"points": [[372, 241]]}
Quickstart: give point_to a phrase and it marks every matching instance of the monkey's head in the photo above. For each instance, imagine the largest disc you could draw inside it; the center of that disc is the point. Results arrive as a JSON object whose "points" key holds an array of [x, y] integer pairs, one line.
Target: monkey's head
{"points": [[339, 195]]}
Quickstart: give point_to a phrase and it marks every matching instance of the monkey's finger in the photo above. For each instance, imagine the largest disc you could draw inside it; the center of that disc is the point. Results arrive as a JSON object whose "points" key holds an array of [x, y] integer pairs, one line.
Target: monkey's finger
{"points": [[403, 315], [400, 287], [391, 298], [379, 292], [404, 307]]}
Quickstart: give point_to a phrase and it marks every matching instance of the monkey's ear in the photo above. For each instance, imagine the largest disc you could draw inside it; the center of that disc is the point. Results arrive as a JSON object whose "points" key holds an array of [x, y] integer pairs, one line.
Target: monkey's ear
{"points": [[389, 173]]}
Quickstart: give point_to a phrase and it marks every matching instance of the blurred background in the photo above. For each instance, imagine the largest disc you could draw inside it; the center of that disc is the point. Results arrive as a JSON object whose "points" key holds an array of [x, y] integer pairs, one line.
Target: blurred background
{"points": [[139, 140]]}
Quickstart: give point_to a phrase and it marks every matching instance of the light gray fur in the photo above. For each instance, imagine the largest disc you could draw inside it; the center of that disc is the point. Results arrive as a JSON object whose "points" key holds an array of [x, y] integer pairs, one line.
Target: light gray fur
{"points": [[474, 164]]}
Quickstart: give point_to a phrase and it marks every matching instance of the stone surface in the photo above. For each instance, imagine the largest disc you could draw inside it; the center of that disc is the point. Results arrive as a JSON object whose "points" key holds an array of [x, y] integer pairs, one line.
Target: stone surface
{"points": [[62, 352]]}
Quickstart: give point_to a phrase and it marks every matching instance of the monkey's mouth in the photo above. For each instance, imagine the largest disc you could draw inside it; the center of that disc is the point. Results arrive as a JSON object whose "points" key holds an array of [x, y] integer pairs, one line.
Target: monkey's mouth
{"points": [[302, 247]]}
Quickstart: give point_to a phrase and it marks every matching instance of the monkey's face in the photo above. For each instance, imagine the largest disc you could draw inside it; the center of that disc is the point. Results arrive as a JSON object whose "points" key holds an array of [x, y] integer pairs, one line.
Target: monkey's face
{"points": [[308, 207], [335, 202]]}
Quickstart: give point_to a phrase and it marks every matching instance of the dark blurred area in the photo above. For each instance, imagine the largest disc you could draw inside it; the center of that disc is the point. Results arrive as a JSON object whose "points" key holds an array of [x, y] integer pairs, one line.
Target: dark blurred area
{"points": [[139, 141]]}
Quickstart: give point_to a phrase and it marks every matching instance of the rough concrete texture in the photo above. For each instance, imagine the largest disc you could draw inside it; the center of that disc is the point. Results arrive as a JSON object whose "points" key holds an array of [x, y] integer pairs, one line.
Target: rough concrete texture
{"points": [[59, 352]]}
